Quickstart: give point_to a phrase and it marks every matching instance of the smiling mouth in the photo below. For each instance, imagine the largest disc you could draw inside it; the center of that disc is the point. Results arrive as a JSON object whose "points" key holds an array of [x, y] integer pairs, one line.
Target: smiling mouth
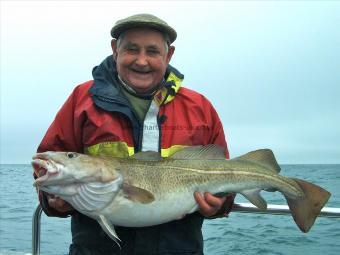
{"points": [[141, 71]]}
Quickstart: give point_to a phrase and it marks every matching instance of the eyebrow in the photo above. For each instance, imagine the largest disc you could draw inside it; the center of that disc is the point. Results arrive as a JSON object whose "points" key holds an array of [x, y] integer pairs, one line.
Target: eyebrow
{"points": [[151, 46], [156, 47], [129, 44]]}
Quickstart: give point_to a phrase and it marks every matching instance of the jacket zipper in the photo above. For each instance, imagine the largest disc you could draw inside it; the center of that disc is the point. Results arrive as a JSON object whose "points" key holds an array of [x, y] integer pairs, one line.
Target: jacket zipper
{"points": [[138, 143]]}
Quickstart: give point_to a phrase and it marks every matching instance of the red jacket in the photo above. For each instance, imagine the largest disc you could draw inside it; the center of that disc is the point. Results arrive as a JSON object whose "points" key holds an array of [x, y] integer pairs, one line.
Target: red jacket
{"points": [[97, 119]]}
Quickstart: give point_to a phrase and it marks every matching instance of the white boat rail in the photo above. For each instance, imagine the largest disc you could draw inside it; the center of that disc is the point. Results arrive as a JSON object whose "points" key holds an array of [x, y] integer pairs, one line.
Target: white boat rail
{"points": [[330, 212], [36, 230]]}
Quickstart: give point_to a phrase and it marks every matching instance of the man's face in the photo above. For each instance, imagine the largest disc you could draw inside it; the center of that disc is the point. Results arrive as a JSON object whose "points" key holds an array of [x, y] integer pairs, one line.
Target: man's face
{"points": [[142, 58]]}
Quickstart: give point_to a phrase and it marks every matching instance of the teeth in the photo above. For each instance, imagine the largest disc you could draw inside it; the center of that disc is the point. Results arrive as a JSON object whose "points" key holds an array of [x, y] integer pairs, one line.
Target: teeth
{"points": [[44, 169], [45, 165]]}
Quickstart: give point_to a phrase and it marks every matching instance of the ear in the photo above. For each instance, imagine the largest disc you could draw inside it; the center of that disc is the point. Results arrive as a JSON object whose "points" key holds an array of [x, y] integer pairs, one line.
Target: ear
{"points": [[114, 48], [170, 53]]}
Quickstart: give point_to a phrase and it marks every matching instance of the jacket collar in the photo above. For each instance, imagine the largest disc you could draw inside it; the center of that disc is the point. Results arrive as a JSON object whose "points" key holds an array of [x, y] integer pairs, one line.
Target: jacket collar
{"points": [[107, 85]]}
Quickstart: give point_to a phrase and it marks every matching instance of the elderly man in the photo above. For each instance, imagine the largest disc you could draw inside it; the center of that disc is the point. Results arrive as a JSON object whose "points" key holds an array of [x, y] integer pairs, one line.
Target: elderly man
{"points": [[135, 102]]}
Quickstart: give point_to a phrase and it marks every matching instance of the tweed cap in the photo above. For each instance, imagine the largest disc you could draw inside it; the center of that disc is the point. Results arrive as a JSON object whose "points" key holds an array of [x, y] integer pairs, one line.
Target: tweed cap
{"points": [[143, 20]]}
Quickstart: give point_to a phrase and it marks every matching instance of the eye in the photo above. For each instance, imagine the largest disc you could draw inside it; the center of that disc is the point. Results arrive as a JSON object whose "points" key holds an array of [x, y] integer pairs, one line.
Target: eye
{"points": [[71, 154], [153, 52], [132, 50]]}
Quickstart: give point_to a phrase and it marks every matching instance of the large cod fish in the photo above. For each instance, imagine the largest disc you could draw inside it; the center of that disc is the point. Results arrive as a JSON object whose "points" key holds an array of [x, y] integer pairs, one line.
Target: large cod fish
{"points": [[145, 189]]}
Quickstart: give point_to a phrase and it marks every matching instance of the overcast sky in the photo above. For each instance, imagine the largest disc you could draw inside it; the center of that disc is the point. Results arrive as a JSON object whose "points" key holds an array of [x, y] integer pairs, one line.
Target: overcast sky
{"points": [[271, 69]]}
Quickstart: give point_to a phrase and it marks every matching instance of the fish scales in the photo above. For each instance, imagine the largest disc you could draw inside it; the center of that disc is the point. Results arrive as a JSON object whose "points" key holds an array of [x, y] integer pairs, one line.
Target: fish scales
{"points": [[146, 190], [168, 176]]}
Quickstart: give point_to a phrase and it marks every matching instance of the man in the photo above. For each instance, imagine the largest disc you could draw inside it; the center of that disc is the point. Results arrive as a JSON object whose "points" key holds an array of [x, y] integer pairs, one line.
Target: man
{"points": [[135, 102]]}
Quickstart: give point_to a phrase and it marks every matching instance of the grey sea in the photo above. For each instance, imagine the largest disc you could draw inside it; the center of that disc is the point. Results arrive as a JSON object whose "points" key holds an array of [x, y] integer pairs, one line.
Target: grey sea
{"points": [[237, 234]]}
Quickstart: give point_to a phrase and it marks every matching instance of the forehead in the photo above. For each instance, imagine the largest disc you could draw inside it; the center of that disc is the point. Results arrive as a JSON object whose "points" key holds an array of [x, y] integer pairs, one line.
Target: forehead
{"points": [[143, 37]]}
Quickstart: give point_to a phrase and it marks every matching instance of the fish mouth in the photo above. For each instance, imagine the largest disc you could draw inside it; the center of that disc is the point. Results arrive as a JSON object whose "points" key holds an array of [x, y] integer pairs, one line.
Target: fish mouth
{"points": [[45, 168]]}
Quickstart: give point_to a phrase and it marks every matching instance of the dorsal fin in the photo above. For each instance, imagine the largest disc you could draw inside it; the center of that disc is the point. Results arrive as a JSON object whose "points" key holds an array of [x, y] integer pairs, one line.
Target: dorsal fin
{"points": [[263, 157], [147, 155], [211, 151]]}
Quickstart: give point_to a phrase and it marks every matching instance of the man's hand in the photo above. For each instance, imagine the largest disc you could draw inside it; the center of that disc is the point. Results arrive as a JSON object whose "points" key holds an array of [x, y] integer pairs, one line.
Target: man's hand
{"points": [[209, 205], [58, 204]]}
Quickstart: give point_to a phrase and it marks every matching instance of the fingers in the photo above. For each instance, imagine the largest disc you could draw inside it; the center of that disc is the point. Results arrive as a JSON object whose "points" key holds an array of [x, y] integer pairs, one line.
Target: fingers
{"points": [[209, 204], [59, 204]]}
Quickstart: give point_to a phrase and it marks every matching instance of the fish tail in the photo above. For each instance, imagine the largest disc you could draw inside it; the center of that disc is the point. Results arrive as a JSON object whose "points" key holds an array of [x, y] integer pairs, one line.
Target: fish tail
{"points": [[305, 210]]}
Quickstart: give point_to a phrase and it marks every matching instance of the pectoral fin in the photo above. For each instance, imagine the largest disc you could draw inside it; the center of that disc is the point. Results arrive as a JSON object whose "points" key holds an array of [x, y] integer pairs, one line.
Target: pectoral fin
{"points": [[137, 194], [255, 198], [108, 229]]}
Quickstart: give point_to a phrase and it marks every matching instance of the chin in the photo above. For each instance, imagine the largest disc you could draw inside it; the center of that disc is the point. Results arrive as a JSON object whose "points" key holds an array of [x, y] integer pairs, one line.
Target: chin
{"points": [[141, 87]]}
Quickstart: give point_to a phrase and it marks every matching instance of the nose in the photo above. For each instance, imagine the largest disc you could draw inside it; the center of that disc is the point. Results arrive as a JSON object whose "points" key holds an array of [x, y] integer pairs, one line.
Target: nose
{"points": [[141, 59]]}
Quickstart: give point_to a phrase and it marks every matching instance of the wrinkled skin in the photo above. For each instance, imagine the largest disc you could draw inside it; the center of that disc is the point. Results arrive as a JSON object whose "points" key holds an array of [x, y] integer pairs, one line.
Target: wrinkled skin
{"points": [[142, 58]]}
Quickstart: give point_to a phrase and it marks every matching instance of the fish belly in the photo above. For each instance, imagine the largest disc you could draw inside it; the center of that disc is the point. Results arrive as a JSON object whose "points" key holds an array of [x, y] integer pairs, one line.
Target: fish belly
{"points": [[127, 213]]}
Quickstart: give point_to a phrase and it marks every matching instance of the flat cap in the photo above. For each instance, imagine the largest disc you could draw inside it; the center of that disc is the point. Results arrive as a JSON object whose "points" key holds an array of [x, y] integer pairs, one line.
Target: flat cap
{"points": [[143, 20]]}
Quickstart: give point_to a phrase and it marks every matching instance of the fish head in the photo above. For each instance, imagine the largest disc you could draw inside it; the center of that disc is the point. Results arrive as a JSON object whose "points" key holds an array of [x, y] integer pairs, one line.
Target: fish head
{"points": [[88, 183], [64, 168]]}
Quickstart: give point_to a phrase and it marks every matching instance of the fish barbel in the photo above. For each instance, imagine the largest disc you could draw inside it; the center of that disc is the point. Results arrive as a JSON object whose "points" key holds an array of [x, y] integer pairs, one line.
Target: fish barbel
{"points": [[146, 189]]}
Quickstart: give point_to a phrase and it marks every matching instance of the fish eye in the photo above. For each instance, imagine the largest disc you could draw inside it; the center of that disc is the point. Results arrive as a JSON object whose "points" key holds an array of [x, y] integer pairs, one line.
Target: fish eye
{"points": [[71, 154]]}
